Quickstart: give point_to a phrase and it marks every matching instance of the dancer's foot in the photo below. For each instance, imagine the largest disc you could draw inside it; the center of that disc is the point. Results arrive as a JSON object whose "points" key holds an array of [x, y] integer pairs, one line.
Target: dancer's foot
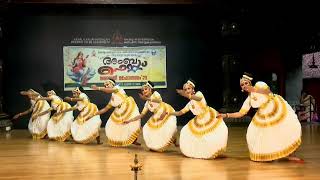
{"points": [[136, 142], [176, 144], [295, 159], [222, 156], [98, 140]]}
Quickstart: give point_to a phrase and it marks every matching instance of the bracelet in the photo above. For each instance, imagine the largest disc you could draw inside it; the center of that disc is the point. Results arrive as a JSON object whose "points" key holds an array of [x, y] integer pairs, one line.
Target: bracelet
{"points": [[227, 115], [98, 88]]}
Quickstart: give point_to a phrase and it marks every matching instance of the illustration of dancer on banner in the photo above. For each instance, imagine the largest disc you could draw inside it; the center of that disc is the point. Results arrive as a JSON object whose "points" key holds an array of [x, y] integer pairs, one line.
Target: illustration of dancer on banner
{"points": [[81, 71]]}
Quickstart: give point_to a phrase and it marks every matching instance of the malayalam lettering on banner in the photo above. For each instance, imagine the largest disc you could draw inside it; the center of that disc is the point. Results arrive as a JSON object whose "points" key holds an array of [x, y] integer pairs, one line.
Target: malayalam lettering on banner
{"points": [[130, 67]]}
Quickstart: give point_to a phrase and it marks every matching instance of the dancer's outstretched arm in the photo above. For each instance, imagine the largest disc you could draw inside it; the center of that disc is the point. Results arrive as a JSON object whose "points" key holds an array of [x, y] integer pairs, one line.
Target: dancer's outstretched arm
{"points": [[243, 111], [23, 113], [104, 89]]}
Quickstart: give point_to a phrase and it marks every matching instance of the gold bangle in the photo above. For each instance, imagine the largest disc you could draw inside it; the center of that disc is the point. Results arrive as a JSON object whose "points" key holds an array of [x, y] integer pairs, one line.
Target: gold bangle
{"points": [[227, 115]]}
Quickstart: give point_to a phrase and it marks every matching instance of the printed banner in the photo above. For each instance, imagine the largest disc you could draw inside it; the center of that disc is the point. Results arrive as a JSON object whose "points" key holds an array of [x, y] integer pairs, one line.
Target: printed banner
{"points": [[130, 67]]}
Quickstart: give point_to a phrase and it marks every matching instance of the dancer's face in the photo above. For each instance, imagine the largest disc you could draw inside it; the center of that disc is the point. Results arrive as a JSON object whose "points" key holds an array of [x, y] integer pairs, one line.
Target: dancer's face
{"points": [[108, 84], [146, 91], [75, 94], [50, 93], [188, 89], [244, 83], [31, 96]]}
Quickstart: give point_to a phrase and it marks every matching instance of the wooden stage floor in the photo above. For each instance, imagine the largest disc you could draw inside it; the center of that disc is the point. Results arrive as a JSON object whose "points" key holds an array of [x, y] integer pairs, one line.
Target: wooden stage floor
{"points": [[24, 158]]}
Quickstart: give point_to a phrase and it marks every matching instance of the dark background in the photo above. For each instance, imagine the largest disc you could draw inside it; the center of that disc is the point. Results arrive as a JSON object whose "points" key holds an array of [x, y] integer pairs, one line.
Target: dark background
{"points": [[212, 43], [36, 39]]}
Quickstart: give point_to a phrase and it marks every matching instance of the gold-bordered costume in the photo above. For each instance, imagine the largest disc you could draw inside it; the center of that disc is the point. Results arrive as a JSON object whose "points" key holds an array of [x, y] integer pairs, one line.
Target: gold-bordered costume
{"points": [[205, 136], [82, 130], [159, 134], [118, 133], [38, 126], [275, 131], [59, 127]]}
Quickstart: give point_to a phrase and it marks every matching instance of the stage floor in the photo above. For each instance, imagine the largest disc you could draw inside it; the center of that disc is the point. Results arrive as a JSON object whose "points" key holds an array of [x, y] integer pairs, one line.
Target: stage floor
{"points": [[24, 158]]}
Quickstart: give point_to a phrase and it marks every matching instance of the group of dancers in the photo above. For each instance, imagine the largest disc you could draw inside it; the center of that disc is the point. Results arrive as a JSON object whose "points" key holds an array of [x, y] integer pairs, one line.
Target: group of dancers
{"points": [[274, 132]]}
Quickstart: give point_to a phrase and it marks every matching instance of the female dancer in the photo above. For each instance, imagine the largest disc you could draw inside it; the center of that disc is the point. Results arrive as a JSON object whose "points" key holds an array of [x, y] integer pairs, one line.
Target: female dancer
{"points": [[40, 114], [275, 131], [59, 126], [159, 132], [118, 132], [205, 136], [87, 125]]}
